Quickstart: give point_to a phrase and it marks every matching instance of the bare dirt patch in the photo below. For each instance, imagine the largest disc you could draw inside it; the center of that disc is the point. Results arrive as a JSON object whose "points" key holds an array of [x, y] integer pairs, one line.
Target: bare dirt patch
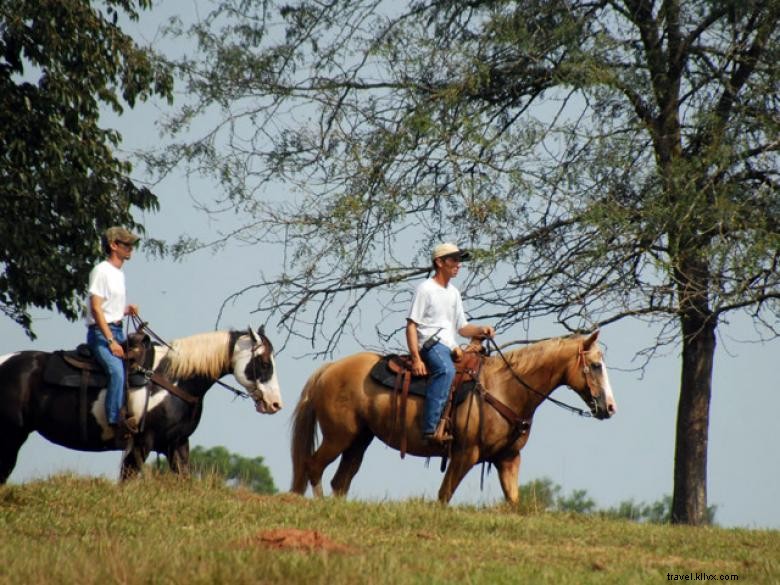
{"points": [[295, 539]]}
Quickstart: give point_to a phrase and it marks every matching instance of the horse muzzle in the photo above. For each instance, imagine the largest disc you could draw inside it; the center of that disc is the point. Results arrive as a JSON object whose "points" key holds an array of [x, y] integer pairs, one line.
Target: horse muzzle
{"points": [[601, 408], [264, 406]]}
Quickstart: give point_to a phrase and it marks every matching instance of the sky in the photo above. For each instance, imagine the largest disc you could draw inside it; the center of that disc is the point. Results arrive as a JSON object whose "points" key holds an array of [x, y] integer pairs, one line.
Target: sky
{"points": [[629, 457]]}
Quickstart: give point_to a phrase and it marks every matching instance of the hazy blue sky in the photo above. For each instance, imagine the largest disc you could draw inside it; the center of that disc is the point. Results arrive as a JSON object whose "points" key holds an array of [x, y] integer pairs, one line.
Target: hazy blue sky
{"points": [[628, 457]]}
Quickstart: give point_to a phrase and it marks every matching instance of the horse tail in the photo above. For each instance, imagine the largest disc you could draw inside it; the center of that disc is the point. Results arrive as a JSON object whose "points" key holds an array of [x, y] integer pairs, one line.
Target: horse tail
{"points": [[304, 435]]}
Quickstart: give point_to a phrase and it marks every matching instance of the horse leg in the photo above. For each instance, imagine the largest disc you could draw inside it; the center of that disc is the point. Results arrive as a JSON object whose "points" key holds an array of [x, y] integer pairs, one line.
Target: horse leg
{"points": [[508, 473], [179, 459], [332, 446], [351, 460], [12, 441], [460, 464], [133, 462]]}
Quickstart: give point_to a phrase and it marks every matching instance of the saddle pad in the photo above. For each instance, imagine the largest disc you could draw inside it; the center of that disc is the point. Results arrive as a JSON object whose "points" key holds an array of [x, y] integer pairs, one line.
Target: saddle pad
{"points": [[61, 373], [382, 374]]}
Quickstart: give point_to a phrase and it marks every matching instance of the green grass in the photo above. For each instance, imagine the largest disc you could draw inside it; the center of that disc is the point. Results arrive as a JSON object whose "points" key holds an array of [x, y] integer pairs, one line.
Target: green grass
{"points": [[164, 530]]}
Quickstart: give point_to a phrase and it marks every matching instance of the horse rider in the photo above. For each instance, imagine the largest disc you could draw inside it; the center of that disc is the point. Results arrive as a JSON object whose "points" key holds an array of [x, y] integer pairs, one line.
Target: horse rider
{"points": [[435, 316], [106, 306]]}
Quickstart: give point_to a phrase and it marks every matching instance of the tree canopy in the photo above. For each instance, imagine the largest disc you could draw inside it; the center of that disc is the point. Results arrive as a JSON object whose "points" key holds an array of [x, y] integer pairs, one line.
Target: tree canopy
{"points": [[603, 160], [61, 183], [251, 473]]}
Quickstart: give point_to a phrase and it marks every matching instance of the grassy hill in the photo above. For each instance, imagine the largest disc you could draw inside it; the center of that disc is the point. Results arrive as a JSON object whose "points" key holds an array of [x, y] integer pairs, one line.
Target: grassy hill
{"points": [[163, 530]]}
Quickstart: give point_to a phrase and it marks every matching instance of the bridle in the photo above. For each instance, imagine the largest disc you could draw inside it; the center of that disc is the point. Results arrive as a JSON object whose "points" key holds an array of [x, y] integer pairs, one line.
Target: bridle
{"points": [[572, 409], [239, 393], [255, 345], [586, 371]]}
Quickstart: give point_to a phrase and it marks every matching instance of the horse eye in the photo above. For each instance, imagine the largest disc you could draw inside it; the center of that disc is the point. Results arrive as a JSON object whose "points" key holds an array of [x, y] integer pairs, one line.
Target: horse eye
{"points": [[596, 366]]}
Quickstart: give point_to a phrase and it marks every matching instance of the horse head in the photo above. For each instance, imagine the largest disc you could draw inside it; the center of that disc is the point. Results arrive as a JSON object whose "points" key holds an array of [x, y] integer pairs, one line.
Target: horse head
{"points": [[588, 377], [255, 368], [138, 350]]}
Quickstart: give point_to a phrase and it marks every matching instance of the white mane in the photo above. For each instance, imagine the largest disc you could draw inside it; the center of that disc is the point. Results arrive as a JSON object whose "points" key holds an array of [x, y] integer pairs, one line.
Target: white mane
{"points": [[204, 354]]}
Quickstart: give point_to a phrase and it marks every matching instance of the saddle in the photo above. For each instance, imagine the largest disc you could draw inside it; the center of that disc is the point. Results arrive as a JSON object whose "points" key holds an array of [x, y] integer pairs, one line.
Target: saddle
{"points": [[78, 368], [395, 372], [387, 371]]}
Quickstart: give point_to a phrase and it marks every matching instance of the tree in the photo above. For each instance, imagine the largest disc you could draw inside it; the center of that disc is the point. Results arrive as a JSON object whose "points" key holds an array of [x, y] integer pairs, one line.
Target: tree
{"points": [[61, 184], [539, 495], [543, 495], [605, 160], [235, 469]]}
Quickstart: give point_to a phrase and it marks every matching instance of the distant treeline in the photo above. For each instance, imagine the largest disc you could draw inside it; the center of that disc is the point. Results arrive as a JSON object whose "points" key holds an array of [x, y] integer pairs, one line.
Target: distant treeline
{"points": [[543, 495]]}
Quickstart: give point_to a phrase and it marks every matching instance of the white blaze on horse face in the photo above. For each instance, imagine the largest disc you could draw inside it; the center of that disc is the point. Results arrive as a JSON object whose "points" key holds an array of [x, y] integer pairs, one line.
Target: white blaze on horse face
{"points": [[609, 398], [271, 392], [599, 376]]}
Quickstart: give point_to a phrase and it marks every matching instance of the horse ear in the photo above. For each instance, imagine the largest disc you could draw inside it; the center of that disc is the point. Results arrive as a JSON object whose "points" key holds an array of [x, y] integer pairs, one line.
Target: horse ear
{"points": [[261, 330], [590, 340], [253, 335]]}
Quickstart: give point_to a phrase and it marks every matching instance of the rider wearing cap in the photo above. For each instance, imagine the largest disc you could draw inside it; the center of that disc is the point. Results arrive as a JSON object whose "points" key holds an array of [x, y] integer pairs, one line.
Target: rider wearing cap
{"points": [[106, 306], [436, 315]]}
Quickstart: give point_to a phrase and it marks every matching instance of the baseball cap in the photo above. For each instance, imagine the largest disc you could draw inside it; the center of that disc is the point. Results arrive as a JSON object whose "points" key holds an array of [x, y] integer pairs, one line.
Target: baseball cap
{"points": [[449, 249], [120, 234]]}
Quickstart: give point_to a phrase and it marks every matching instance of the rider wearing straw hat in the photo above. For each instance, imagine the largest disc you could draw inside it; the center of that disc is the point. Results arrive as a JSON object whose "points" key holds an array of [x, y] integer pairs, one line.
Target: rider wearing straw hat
{"points": [[436, 315]]}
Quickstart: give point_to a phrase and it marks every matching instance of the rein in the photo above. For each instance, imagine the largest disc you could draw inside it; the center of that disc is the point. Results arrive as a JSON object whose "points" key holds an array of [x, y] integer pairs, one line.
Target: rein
{"points": [[237, 391], [572, 409]]}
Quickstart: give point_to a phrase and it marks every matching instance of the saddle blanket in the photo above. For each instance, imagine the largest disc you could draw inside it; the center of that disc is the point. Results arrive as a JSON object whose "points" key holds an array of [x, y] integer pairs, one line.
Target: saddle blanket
{"points": [[384, 373], [61, 372]]}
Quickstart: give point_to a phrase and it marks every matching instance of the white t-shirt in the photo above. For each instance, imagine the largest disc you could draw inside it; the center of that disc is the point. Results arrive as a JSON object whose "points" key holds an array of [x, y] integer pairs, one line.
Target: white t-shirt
{"points": [[437, 310], [108, 282]]}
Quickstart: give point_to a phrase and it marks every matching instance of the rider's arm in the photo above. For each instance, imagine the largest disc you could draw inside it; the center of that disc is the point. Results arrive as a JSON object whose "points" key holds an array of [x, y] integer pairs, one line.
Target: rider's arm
{"points": [[96, 308], [412, 341], [481, 331]]}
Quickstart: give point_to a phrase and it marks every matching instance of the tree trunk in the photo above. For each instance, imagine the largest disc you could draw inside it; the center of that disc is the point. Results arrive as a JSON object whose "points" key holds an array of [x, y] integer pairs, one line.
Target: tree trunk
{"points": [[689, 499]]}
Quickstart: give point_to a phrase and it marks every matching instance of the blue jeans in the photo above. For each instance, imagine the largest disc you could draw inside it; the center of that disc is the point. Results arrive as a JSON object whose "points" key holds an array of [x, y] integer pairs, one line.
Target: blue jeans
{"points": [[441, 373], [115, 392]]}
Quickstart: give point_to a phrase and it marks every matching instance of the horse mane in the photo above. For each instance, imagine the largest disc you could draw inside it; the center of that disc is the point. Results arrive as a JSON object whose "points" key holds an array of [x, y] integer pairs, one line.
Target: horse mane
{"points": [[526, 358], [203, 354]]}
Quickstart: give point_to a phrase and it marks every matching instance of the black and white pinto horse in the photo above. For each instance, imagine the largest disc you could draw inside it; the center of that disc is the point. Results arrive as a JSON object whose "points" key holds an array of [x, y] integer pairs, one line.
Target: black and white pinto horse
{"points": [[167, 417]]}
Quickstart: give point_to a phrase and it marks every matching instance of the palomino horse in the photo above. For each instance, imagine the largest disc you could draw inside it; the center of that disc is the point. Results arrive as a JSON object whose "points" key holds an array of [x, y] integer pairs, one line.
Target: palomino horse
{"points": [[168, 416], [352, 409]]}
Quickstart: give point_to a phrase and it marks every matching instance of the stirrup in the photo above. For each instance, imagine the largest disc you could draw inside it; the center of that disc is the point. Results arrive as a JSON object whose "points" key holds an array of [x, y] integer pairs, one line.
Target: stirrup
{"points": [[440, 436]]}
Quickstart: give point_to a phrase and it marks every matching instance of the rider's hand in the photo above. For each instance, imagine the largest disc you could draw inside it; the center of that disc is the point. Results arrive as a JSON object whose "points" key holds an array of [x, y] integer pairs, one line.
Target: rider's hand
{"points": [[487, 332], [418, 367], [116, 348]]}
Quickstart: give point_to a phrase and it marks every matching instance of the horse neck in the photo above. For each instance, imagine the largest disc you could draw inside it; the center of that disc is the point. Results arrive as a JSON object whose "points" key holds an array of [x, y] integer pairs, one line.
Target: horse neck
{"points": [[196, 362], [541, 367]]}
